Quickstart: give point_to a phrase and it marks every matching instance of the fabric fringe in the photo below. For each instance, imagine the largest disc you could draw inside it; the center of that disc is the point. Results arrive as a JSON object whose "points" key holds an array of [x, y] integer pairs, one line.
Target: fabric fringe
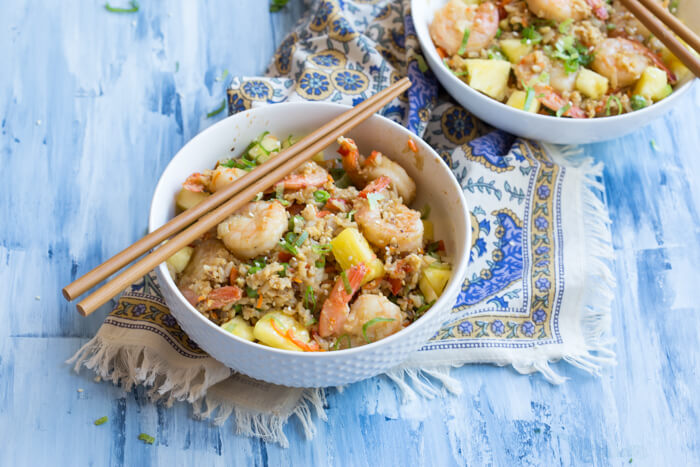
{"points": [[131, 365], [413, 382], [267, 426]]}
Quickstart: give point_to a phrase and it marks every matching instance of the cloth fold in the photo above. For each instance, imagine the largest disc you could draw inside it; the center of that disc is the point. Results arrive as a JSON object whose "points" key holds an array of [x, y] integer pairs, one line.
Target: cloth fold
{"points": [[539, 286]]}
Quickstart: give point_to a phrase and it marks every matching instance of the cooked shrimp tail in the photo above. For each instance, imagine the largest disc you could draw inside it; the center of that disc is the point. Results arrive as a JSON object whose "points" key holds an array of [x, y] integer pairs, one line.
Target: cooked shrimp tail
{"points": [[335, 309], [598, 7], [376, 185], [549, 98], [308, 175], [351, 159]]}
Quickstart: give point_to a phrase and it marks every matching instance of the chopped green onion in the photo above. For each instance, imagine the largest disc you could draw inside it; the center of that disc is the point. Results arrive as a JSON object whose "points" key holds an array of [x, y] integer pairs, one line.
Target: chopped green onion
{"points": [[372, 198], [277, 5], [422, 309], [607, 105], [638, 102], [564, 27], [309, 298], [372, 322], [302, 238], [432, 247], [494, 54], [563, 110], [101, 420], [337, 342], [610, 26], [253, 270], [351, 214], [279, 194], [283, 272], [499, 31], [321, 196], [294, 220], [237, 308], [346, 282], [259, 196], [320, 263], [531, 36], [218, 110], [134, 8], [463, 46], [422, 66], [340, 177], [528, 98], [287, 243], [250, 292], [425, 212], [148, 439]]}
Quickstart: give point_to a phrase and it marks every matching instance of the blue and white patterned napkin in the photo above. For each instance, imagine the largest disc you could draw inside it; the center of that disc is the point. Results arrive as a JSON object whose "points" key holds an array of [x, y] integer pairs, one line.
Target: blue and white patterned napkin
{"points": [[538, 288]]}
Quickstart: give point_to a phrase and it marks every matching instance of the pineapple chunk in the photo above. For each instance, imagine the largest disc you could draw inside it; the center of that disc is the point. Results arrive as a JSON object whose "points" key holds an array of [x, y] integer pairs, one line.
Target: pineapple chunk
{"points": [[178, 262], [591, 84], [428, 230], [433, 280], [515, 50], [350, 247], [239, 327], [276, 336], [674, 64], [518, 99], [472, 2], [186, 199], [489, 76], [653, 84]]}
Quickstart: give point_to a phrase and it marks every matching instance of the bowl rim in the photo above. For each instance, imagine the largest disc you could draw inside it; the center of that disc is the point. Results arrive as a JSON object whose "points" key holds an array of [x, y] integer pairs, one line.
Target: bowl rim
{"points": [[428, 48], [455, 282]]}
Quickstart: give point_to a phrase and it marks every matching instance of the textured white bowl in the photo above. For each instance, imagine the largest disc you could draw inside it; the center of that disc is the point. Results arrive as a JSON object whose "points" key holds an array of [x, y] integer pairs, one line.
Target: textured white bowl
{"points": [[436, 186], [535, 126]]}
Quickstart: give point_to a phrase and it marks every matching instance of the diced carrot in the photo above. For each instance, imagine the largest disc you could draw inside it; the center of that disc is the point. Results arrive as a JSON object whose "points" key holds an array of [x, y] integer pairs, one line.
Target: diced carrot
{"points": [[223, 296], [233, 276], [396, 285], [258, 305], [412, 145], [323, 213], [284, 257]]}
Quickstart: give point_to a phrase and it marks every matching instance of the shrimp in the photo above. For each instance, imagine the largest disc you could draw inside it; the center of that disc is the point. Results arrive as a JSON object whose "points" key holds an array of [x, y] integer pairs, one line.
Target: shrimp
{"points": [[622, 61], [335, 309], [377, 165], [450, 23], [562, 10], [530, 70], [254, 229], [308, 175], [373, 317], [212, 180], [391, 223]]}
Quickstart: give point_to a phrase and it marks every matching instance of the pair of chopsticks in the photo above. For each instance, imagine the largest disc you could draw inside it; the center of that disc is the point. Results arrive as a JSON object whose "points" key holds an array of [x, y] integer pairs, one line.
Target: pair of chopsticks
{"points": [[665, 27], [217, 207]]}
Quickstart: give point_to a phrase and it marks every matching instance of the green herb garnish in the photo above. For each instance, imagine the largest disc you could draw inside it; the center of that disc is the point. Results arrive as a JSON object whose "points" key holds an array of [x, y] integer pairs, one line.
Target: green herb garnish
{"points": [[302, 238], [337, 342], [294, 220], [218, 110], [531, 36], [562, 110], [607, 105], [322, 249], [148, 439], [351, 214], [425, 212], [321, 196], [499, 31], [134, 8], [277, 5], [638, 102], [309, 298], [340, 178], [572, 53], [372, 322], [101, 420], [287, 243], [564, 27], [422, 309], [250, 292], [279, 194], [283, 272], [463, 46], [346, 282], [237, 308]]}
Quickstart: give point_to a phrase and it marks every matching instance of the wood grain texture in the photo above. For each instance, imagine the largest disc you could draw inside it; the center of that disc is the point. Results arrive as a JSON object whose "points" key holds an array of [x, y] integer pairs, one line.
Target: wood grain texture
{"points": [[91, 110]]}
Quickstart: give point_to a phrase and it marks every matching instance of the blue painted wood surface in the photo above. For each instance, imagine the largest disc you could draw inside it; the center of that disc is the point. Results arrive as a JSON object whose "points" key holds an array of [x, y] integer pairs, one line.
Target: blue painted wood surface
{"points": [[92, 107]]}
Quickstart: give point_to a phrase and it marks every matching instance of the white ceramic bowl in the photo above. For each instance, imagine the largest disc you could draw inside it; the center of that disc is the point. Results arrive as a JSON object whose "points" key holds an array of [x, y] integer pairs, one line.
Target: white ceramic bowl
{"points": [[535, 126], [436, 186]]}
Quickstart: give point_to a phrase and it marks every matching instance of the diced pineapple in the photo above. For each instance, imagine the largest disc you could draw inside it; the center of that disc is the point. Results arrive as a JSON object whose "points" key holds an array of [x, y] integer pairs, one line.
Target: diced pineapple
{"points": [[427, 289], [515, 50], [186, 199], [674, 64], [428, 230], [518, 100], [437, 275], [239, 327], [489, 76], [472, 2], [178, 262], [653, 84], [591, 83], [275, 335], [350, 247]]}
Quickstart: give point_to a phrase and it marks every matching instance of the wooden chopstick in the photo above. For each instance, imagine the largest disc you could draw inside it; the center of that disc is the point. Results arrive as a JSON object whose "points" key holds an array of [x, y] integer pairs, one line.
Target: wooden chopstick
{"points": [[676, 25], [350, 119], [665, 30], [101, 272]]}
